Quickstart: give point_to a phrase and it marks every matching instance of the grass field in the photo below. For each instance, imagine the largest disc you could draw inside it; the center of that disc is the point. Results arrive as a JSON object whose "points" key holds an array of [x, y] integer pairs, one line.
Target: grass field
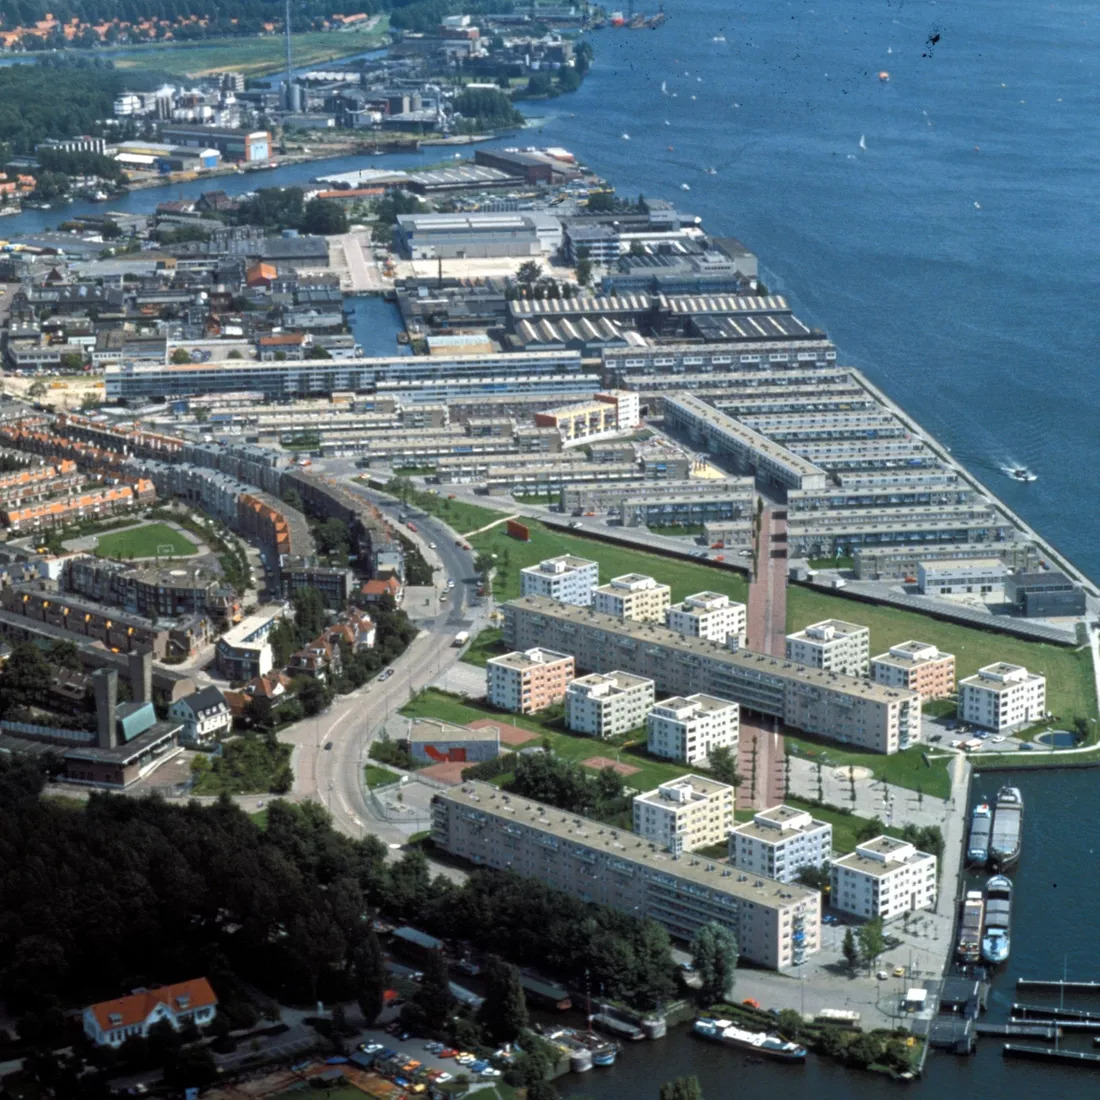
{"points": [[684, 577], [144, 542], [450, 708], [463, 517], [1071, 689], [251, 56]]}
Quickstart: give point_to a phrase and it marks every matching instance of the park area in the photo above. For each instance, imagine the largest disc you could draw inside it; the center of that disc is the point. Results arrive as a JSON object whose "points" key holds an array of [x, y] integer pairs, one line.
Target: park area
{"points": [[640, 770], [150, 540]]}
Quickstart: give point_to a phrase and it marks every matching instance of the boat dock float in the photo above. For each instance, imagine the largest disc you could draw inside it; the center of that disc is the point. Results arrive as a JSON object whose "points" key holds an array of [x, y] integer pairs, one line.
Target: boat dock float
{"points": [[1047, 1054], [1024, 1029], [1042, 1012], [1058, 986]]}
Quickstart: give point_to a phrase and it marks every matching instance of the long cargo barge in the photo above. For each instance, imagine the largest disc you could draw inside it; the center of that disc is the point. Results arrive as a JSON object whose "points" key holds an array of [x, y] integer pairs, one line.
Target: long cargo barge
{"points": [[1008, 825]]}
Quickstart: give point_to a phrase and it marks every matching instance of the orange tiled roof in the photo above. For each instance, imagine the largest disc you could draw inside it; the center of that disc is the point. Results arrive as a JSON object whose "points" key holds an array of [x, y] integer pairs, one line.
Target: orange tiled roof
{"points": [[131, 1010]]}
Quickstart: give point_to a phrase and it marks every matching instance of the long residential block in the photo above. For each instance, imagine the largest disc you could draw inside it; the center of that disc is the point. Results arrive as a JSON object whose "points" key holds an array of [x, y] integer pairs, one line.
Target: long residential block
{"points": [[777, 924], [842, 708]]}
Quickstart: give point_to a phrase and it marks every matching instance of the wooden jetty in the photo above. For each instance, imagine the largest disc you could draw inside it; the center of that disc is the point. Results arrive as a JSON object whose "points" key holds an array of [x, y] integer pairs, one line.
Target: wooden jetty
{"points": [[1046, 1012], [1049, 1054], [1058, 986], [1023, 1029]]}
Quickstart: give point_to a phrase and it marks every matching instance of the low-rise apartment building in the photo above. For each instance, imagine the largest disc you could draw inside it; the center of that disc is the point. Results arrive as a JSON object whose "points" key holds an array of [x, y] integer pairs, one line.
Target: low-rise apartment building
{"points": [[1001, 696], [884, 877], [832, 645], [841, 708], [528, 681], [688, 729], [918, 666], [633, 596], [243, 652], [565, 579], [779, 842], [709, 615], [686, 813], [605, 704], [777, 924]]}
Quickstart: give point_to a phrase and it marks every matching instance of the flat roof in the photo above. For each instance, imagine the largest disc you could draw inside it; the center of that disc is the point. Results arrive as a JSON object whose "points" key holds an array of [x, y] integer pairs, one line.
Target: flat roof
{"points": [[784, 816], [431, 729], [696, 785], [622, 844], [741, 658], [522, 659]]}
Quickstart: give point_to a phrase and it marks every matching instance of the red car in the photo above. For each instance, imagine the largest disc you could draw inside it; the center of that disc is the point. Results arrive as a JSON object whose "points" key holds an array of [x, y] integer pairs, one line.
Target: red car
{"points": [[447, 1052]]}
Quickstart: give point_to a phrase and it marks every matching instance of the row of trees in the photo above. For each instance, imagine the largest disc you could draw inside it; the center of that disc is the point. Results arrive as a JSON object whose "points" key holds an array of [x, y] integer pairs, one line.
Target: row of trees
{"points": [[571, 787]]}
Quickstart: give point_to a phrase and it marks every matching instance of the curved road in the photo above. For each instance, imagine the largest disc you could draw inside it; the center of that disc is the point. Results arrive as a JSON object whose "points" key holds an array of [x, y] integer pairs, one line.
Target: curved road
{"points": [[334, 776]]}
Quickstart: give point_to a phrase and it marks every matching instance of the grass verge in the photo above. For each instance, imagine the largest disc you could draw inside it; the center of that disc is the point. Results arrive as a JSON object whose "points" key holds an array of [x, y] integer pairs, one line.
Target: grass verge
{"points": [[485, 645], [684, 577], [380, 777]]}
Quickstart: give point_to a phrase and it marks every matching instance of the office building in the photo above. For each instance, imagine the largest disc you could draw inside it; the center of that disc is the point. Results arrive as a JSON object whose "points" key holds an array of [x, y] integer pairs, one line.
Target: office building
{"points": [[1044, 595], [832, 645], [841, 708], [605, 704], [528, 681], [685, 814], [779, 842], [688, 729], [984, 577], [884, 877], [777, 925], [918, 666], [709, 615], [564, 579], [1002, 696], [633, 596]]}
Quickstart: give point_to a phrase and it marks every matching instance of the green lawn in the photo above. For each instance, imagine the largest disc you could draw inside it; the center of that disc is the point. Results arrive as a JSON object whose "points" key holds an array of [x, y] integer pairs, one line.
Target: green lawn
{"points": [[684, 577], [1071, 690], [677, 530], [913, 769], [260, 818], [487, 644], [460, 516], [380, 777], [252, 56], [450, 708], [144, 542]]}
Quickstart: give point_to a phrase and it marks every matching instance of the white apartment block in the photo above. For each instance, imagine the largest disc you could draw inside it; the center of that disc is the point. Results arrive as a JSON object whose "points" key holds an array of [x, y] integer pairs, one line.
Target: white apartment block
{"points": [[778, 842], [528, 681], [565, 578], [605, 704], [686, 813], [709, 615], [686, 729], [833, 646], [778, 925], [884, 877], [1001, 696], [633, 596]]}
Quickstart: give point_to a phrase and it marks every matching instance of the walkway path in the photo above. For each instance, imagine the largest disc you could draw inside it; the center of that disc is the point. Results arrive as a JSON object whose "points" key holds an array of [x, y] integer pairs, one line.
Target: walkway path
{"points": [[490, 526]]}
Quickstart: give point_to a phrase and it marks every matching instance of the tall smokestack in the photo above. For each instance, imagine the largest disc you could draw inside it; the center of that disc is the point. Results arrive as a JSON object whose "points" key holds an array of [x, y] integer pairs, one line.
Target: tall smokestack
{"points": [[286, 32], [140, 667], [105, 686]]}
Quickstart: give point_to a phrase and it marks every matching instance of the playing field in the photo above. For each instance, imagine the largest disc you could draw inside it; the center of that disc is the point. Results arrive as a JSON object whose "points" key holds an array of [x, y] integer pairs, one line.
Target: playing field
{"points": [[148, 541]]}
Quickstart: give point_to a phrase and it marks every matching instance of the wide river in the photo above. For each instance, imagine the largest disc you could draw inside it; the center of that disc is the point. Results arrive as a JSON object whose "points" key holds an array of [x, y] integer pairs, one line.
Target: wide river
{"points": [[953, 254]]}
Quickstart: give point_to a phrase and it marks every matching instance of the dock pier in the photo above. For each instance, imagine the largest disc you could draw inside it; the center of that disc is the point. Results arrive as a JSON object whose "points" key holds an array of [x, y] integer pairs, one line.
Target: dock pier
{"points": [[1047, 1054], [1059, 986]]}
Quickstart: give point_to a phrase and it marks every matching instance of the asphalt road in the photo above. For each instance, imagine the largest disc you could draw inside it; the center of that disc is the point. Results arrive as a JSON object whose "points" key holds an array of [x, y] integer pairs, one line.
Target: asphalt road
{"points": [[334, 776]]}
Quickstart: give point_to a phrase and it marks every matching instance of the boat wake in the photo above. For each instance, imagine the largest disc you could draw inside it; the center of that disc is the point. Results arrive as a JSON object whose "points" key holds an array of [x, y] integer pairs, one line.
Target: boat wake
{"points": [[1018, 472]]}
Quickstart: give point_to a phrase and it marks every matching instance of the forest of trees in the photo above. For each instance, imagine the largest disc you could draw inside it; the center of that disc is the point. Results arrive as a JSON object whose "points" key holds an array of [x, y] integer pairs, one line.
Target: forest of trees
{"points": [[486, 109], [124, 892], [286, 208]]}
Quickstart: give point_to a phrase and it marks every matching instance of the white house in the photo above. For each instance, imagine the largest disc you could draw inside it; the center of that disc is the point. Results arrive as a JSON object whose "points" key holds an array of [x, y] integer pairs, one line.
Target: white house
{"points": [[884, 877], [204, 716], [111, 1023]]}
